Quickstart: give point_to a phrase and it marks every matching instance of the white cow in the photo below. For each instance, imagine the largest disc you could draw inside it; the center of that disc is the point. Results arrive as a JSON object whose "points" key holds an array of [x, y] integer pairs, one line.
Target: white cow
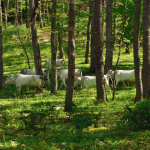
{"points": [[90, 82], [33, 72], [21, 80], [59, 63], [122, 75], [63, 75]]}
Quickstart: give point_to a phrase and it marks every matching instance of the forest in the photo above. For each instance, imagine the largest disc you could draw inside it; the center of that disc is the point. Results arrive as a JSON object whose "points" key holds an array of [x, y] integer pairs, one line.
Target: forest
{"points": [[74, 74]]}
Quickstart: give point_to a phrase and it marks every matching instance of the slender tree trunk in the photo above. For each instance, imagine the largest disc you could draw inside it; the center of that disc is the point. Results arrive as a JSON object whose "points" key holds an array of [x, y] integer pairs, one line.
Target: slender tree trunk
{"points": [[88, 35], [16, 13], [98, 26], [139, 88], [61, 50], [115, 25], [146, 48], [71, 56], [109, 40], [21, 22], [54, 48], [92, 65], [37, 57], [40, 17], [47, 12], [43, 14], [27, 14], [6, 5], [1, 50]]}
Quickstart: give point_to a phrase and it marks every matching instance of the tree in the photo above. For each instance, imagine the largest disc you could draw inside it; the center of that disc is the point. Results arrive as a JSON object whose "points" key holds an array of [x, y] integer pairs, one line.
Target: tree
{"points": [[71, 56], [53, 47], [98, 26], [37, 57], [6, 5], [139, 88], [88, 35], [16, 13], [109, 40], [21, 22], [92, 65], [1, 50], [146, 48]]}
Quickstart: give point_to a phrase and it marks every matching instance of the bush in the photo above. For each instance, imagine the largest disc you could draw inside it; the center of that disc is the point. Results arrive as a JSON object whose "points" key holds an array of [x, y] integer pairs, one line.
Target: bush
{"points": [[138, 117]]}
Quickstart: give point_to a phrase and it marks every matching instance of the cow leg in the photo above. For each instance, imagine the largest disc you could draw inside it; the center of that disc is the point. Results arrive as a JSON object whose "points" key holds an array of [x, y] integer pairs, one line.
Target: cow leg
{"points": [[108, 88], [124, 85], [19, 89], [27, 88], [64, 83]]}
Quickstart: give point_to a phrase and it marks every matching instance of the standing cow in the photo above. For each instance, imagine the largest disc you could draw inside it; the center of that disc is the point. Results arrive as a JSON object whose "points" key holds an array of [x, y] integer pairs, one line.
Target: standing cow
{"points": [[63, 75], [33, 72], [59, 63], [90, 82], [21, 80], [122, 75]]}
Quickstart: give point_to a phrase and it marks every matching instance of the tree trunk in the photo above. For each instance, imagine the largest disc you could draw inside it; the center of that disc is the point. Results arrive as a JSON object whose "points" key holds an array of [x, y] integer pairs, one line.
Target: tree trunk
{"points": [[21, 22], [47, 12], [40, 17], [27, 14], [1, 50], [92, 65], [146, 48], [43, 14], [61, 50], [98, 26], [88, 35], [6, 5], [139, 88], [115, 25], [37, 57], [16, 13], [71, 57], [109, 40], [54, 48]]}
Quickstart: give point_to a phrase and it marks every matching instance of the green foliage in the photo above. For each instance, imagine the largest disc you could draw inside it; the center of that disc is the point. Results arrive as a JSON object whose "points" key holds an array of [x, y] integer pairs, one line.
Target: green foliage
{"points": [[138, 117]]}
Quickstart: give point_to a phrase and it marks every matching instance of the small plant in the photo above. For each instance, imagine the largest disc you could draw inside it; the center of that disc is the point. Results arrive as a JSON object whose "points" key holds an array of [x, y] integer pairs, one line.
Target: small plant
{"points": [[137, 117]]}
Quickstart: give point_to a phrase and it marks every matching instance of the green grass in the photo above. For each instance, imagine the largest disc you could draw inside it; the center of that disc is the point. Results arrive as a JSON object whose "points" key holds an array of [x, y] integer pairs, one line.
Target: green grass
{"points": [[31, 122]]}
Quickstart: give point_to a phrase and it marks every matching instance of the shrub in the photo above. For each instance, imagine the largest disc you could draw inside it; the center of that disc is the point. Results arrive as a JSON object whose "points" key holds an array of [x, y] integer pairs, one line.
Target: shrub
{"points": [[137, 117]]}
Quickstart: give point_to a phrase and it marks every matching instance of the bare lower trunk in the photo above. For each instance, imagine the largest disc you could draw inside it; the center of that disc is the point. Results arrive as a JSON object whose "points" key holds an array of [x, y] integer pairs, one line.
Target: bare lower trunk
{"points": [[37, 57], [98, 26], [109, 40], [92, 65], [146, 48], [1, 58], [71, 57], [54, 48]]}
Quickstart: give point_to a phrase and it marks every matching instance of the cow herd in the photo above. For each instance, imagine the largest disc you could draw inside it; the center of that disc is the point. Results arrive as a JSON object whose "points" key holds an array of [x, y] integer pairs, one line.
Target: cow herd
{"points": [[29, 78]]}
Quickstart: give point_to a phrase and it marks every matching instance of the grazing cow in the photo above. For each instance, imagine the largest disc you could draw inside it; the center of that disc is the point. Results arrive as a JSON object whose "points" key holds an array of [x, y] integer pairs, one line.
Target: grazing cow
{"points": [[33, 72], [90, 82], [59, 63], [122, 75], [21, 80], [63, 75]]}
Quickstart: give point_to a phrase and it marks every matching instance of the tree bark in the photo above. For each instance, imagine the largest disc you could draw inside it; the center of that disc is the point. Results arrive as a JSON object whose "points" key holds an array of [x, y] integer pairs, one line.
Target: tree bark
{"points": [[92, 65], [139, 88], [88, 35], [71, 57], [98, 26], [54, 48], [6, 5], [1, 50], [146, 48], [61, 50], [40, 17], [21, 22], [37, 57], [16, 13], [109, 40]]}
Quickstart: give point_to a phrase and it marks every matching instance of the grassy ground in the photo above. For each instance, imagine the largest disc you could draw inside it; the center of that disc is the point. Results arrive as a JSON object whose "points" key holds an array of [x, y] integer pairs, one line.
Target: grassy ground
{"points": [[32, 122]]}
